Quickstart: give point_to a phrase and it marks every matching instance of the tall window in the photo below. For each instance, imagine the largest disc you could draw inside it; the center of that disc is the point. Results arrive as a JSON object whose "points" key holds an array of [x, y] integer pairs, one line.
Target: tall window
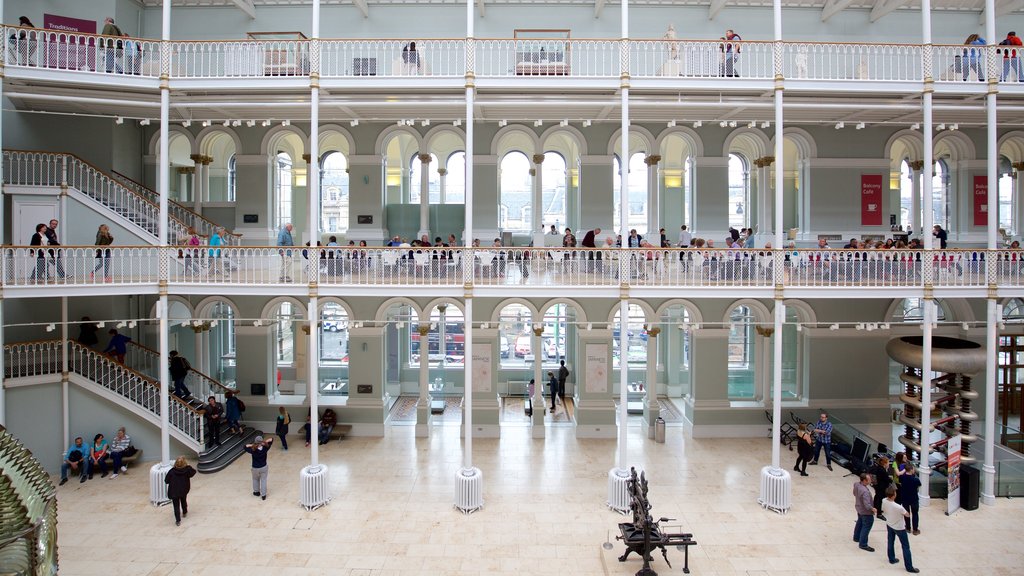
{"points": [[636, 338], [906, 195], [232, 177], [553, 191], [739, 191], [1006, 200], [742, 354], [637, 197], [455, 180], [416, 179], [284, 334], [676, 340], [516, 192], [283, 184], [334, 192], [688, 177], [515, 340], [333, 334], [792, 357], [222, 344], [446, 339], [941, 193], [556, 333]]}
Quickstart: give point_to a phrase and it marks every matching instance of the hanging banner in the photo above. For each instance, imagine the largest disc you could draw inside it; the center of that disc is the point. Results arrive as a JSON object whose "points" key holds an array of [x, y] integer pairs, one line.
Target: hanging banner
{"points": [[597, 369], [482, 369], [981, 200], [871, 199], [953, 474], [67, 24], [65, 49]]}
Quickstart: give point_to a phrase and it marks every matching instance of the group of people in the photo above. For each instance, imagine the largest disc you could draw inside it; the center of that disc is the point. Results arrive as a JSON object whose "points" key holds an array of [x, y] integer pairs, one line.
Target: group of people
{"points": [[84, 460], [810, 442], [46, 235], [896, 502], [973, 59], [216, 414], [557, 385]]}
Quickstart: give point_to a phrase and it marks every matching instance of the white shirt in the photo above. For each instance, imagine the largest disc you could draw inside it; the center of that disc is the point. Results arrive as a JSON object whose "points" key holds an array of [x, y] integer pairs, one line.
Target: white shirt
{"points": [[894, 514], [684, 238]]}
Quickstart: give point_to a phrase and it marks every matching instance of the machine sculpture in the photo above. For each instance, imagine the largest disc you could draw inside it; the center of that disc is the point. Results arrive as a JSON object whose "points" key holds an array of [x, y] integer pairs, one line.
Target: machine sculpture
{"points": [[643, 534], [955, 360]]}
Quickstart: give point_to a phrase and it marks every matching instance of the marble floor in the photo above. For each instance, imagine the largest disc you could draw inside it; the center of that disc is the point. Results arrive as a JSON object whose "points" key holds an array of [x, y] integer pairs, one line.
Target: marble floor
{"points": [[544, 513]]}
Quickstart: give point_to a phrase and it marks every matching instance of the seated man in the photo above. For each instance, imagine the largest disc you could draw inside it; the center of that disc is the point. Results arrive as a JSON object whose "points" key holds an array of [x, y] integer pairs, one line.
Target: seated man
{"points": [[327, 423], [74, 459], [118, 450]]}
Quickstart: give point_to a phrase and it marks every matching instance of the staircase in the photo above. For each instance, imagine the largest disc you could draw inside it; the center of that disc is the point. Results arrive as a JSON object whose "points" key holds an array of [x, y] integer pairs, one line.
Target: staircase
{"points": [[130, 389], [133, 203]]}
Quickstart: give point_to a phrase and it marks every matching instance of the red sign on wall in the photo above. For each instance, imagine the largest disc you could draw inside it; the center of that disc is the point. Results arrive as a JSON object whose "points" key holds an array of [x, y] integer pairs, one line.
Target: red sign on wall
{"points": [[981, 200], [871, 199]]}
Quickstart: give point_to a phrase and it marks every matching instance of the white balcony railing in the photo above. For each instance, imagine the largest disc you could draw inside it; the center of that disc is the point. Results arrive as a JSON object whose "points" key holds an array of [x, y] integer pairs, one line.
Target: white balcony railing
{"points": [[455, 267], [556, 57]]}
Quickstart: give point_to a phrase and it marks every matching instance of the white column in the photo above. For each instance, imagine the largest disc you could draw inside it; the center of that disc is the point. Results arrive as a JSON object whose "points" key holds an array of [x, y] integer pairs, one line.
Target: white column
{"points": [[653, 196], [183, 179], [165, 382], [539, 407], [443, 181], [652, 407], [196, 177], [65, 371], [537, 208], [424, 195], [619, 471], [988, 485], [1018, 199], [915, 198], [780, 317], [988, 490], [313, 223], [203, 195], [163, 188], [924, 470], [926, 128], [312, 318], [423, 405]]}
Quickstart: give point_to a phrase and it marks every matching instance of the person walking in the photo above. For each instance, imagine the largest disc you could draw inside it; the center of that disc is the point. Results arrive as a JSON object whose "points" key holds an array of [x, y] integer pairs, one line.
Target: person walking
{"points": [[732, 53], [87, 333], [908, 495], [284, 238], [113, 48], [118, 345], [895, 527], [216, 263], [233, 408], [179, 368], [281, 428], [178, 480], [56, 255], [553, 384], [214, 416], [823, 439], [563, 375], [103, 238], [865, 512], [880, 471], [260, 469], [804, 447], [39, 274]]}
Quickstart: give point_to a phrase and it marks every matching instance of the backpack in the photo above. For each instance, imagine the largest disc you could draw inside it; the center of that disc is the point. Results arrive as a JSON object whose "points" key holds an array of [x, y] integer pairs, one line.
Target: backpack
{"points": [[241, 405], [75, 456]]}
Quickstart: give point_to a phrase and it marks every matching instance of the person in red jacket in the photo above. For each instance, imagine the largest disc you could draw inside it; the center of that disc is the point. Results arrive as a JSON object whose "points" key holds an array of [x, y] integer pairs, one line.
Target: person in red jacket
{"points": [[1011, 56]]}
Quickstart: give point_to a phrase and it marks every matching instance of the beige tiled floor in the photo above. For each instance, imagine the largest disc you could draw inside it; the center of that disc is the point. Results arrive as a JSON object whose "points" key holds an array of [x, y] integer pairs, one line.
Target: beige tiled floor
{"points": [[392, 514]]}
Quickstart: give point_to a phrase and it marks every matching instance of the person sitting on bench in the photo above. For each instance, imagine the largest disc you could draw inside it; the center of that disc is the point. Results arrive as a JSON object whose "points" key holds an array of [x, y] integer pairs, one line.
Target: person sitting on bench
{"points": [[327, 423]]}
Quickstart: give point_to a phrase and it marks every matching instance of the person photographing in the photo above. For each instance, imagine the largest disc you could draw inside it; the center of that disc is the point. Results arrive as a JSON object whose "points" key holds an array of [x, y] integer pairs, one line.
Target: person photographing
{"points": [[260, 469]]}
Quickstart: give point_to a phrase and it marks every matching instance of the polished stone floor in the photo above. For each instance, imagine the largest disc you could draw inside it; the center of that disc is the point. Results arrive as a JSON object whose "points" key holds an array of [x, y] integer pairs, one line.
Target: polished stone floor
{"points": [[545, 513]]}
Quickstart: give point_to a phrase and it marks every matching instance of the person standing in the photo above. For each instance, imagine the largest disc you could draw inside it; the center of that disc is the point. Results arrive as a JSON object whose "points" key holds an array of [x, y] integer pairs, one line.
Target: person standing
{"points": [[941, 235], [103, 238], [895, 527], [281, 428], [732, 53], [563, 375], [39, 274], [260, 469], [973, 57], [118, 345], [553, 384], [865, 512], [56, 255], [113, 47], [823, 439], [118, 450], [87, 333], [685, 237], [74, 460], [590, 241], [214, 416], [284, 238], [804, 447], [178, 486], [233, 408], [880, 471], [179, 368], [909, 496], [1011, 56]]}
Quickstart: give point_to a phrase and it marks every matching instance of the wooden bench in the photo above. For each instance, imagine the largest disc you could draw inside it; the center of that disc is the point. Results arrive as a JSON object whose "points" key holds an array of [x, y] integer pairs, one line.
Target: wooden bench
{"points": [[339, 431], [126, 460]]}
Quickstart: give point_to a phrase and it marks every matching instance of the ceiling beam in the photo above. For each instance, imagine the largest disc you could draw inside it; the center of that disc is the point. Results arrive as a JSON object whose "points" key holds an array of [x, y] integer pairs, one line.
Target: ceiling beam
{"points": [[598, 6], [833, 7], [884, 7], [246, 6], [361, 4], [715, 8], [1003, 8]]}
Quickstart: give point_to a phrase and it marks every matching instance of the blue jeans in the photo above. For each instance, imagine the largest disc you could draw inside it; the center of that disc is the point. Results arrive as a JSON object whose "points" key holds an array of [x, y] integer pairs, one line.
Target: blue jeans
{"points": [[180, 390], [828, 451], [862, 529], [65, 467], [908, 562], [1011, 64]]}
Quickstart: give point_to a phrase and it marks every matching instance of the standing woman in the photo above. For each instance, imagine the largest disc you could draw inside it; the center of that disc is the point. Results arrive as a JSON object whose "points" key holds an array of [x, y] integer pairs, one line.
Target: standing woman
{"points": [[178, 486], [804, 447], [283, 420], [103, 238], [39, 275]]}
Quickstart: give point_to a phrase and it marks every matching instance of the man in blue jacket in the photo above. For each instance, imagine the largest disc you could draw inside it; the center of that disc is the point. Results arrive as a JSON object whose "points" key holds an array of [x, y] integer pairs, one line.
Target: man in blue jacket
{"points": [[284, 238]]}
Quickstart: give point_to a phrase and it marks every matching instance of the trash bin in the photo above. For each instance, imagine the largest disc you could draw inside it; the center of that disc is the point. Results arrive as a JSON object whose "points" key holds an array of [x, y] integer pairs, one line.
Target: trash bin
{"points": [[659, 430], [970, 487]]}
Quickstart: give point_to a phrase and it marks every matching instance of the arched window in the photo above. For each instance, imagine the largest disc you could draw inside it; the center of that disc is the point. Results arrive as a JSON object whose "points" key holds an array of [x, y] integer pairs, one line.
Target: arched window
{"points": [[455, 179], [676, 344], [637, 197], [1007, 202], [792, 358], [283, 189], [222, 359], [516, 192], [941, 193], [287, 347], [742, 355], [558, 321], [446, 339], [739, 191], [232, 178], [911, 311], [333, 335], [416, 179], [906, 195], [636, 338], [334, 197], [515, 340], [553, 191]]}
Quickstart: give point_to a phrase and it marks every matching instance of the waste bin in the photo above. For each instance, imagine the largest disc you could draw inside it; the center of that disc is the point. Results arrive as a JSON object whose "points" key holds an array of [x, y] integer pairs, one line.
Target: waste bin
{"points": [[970, 487], [659, 430]]}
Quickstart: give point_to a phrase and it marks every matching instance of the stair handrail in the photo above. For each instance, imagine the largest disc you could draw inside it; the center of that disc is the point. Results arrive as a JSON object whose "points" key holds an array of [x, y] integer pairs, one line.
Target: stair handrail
{"points": [[134, 386], [62, 168], [203, 225], [209, 384]]}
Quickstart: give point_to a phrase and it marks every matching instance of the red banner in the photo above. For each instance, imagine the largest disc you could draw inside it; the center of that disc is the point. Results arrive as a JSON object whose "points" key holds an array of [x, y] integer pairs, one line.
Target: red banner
{"points": [[981, 200], [68, 24], [871, 199], [65, 49]]}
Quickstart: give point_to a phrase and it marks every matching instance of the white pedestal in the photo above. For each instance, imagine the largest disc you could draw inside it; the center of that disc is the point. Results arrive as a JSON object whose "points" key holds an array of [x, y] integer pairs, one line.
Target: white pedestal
{"points": [[314, 491], [157, 486], [618, 492], [776, 489], [469, 490]]}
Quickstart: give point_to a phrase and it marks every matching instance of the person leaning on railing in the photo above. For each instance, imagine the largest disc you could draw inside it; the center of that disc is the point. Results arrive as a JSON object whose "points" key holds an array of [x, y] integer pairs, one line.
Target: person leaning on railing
{"points": [[23, 43]]}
